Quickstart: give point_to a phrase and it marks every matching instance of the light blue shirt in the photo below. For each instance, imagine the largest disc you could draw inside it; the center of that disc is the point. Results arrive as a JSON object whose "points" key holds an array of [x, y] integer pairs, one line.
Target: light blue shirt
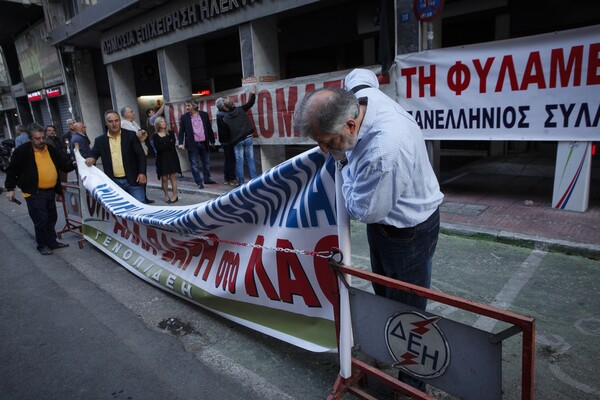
{"points": [[389, 178], [21, 139]]}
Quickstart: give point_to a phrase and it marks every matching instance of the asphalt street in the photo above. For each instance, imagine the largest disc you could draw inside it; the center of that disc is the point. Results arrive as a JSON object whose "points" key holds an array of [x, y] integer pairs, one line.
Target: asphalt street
{"points": [[76, 325]]}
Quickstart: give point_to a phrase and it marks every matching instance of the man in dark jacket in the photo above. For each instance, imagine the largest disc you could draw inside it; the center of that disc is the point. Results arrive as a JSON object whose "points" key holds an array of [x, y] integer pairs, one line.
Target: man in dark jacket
{"points": [[196, 136], [128, 169], [234, 122], [54, 141], [35, 167], [225, 140]]}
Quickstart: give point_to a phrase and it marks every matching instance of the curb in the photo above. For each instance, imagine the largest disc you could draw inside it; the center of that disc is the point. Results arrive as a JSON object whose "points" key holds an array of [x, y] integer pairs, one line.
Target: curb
{"points": [[518, 239]]}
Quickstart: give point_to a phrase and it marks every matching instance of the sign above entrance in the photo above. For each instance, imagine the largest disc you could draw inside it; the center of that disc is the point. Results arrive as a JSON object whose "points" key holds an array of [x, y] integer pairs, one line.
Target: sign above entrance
{"points": [[54, 92], [34, 96], [170, 22]]}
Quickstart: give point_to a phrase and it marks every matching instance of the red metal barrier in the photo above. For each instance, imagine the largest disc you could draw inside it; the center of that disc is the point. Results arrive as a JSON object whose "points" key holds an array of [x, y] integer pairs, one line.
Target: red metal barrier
{"points": [[361, 370]]}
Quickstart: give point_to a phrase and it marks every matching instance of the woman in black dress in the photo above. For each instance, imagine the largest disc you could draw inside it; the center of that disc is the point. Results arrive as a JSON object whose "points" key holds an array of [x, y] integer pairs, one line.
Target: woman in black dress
{"points": [[167, 160]]}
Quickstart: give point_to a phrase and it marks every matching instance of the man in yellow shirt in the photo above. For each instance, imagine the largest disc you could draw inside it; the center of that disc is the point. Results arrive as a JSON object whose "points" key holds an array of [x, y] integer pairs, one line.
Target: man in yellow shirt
{"points": [[123, 158], [34, 167]]}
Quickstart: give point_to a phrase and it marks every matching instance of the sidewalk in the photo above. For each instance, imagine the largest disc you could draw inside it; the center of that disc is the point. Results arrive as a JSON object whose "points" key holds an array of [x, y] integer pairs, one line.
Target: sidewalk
{"points": [[507, 200]]}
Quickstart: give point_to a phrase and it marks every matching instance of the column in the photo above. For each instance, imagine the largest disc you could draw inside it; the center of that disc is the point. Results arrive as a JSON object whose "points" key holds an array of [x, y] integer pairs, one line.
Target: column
{"points": [[87, 94], [122, 86], [260, 63], [176, 86]]}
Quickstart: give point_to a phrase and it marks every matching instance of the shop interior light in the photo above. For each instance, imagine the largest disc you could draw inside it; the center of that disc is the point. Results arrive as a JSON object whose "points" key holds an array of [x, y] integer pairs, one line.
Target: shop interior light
{"points": [[205, 92]]}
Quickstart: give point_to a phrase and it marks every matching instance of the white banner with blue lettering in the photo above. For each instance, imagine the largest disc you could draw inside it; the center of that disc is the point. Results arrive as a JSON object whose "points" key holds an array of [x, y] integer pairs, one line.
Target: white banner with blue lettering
{"points": [[256, 255]]}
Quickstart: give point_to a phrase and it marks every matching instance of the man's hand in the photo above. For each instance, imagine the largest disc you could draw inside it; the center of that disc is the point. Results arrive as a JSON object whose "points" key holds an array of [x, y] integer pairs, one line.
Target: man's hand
{"points": [[142, 135], [90, 161], [181, 146], [253, 90], [10, 195], [141, 179]]}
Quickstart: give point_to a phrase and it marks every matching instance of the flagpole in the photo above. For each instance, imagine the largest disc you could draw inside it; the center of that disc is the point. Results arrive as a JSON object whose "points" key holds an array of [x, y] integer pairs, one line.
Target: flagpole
{"points": [[343, 221]]}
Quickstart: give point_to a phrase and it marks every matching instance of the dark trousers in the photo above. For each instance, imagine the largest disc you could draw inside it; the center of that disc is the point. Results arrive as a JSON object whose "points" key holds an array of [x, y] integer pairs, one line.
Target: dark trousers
{"points": [[42, 210], [199, 153], [404, 254], [228, 163]]}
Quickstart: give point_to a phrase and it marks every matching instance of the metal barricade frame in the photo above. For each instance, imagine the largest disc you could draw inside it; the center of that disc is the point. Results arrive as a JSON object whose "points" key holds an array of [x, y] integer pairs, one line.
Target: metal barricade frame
{"points": [[71, 203], [362, 370]]}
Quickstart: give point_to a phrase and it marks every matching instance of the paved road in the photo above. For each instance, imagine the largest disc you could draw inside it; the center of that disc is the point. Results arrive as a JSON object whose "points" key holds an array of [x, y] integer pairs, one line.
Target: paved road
{"points": [[77, 325], [559, 290]]}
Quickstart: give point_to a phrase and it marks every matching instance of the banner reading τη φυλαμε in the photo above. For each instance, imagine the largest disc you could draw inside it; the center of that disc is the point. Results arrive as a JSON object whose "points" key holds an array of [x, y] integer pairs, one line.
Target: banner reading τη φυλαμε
{"points": [[535, 88]]}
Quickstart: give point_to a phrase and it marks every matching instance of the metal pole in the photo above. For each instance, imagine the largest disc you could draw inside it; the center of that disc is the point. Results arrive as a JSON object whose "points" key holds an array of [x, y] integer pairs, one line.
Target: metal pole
{"points": [[343, 221]]}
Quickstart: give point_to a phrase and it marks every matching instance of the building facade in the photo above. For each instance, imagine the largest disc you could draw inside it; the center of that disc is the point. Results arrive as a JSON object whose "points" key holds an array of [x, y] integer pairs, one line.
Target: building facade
{"points": [[143, 53]]}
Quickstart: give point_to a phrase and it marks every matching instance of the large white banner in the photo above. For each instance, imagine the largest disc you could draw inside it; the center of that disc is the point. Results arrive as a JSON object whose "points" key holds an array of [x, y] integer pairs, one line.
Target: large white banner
{"points": [[542, 87], [275, 104], [257, 255]]}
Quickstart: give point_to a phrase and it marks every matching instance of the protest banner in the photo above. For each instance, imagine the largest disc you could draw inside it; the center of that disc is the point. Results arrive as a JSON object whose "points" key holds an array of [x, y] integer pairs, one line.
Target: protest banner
{"points": [[257, 255], [537, 88]]}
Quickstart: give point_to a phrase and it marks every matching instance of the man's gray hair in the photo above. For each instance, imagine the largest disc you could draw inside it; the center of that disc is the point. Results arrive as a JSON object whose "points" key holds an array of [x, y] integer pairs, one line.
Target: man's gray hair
{"points": [[193, 103], [220, 103], [123, 111], [325, 114], [34, 127]]}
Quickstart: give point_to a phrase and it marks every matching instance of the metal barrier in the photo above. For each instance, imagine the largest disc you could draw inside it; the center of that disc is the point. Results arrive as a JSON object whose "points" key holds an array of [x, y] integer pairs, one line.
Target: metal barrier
{"points": [[420, 343], [71, 201]]}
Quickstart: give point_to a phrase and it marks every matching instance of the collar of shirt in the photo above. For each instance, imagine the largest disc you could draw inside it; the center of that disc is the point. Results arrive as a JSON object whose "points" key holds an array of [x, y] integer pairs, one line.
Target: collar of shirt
{"points": [[113, 136], [130, 125]]}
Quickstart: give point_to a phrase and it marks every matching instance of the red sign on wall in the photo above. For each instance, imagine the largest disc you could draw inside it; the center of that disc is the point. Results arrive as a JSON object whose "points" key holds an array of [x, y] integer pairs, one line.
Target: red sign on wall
{"points": [[34, 96], [53, 92]]}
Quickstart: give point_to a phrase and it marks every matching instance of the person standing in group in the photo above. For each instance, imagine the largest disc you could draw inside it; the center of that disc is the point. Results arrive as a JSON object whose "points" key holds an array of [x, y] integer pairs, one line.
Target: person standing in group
{"points": [[66, 137], [50, 137], [81, 139], [52, 140], [123, 158], [389, 183], [240, 129], [167, 160], [151, 116], [35, 167], [225, 140], [196, 136], [128, 122], [21, 136]]}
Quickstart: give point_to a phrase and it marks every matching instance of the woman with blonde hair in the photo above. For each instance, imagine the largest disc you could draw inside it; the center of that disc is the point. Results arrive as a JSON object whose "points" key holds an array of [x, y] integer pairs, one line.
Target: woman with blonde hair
{"points": [[167, 160]]}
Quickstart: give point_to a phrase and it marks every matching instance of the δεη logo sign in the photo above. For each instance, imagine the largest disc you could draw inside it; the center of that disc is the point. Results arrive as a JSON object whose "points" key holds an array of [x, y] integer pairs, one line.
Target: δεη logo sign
{"points": [[417, 344]]}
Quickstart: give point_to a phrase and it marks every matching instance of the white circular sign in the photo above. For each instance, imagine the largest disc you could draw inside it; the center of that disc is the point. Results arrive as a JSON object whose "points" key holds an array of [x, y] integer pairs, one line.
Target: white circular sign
{"points": [[417, 344]]}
